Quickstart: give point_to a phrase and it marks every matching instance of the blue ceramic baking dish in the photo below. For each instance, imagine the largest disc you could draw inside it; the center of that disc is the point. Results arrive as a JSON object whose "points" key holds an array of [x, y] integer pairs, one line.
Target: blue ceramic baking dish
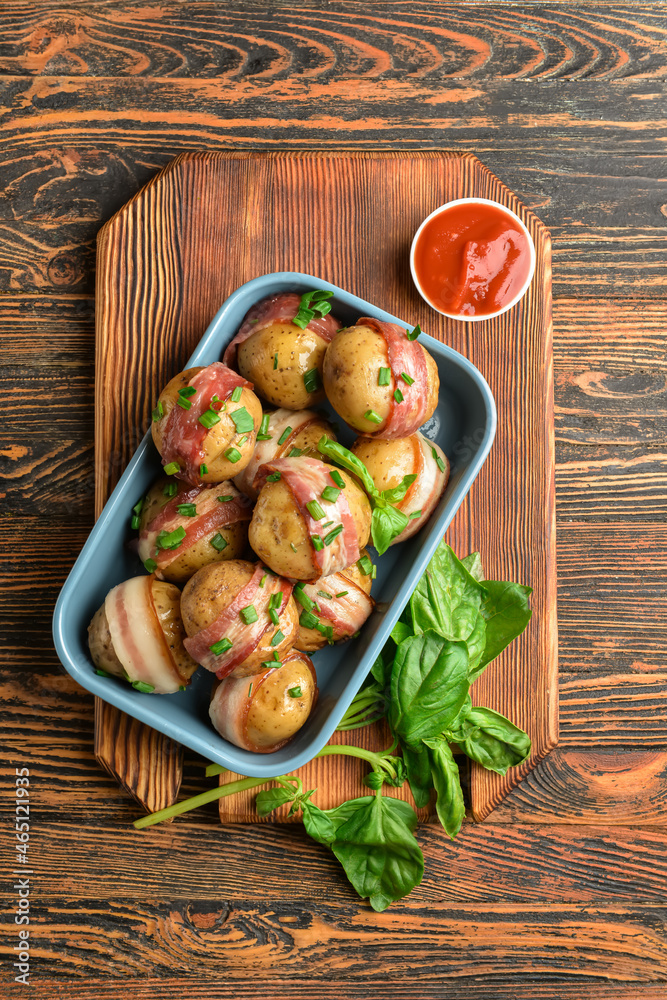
{"points": [[463, 425]]}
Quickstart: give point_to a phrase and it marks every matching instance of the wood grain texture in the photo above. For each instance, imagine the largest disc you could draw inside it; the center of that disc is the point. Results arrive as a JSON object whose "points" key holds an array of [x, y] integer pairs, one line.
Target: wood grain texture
{"points": [[157, 273]]}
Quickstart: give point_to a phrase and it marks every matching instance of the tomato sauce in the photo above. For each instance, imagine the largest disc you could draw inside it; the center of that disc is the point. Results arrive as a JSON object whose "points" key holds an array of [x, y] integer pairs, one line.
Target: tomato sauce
{"points": [[472, 259]]}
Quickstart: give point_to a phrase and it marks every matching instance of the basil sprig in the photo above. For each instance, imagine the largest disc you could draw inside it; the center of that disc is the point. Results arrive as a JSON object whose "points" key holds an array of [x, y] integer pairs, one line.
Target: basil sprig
{"points": [[387, 521]]}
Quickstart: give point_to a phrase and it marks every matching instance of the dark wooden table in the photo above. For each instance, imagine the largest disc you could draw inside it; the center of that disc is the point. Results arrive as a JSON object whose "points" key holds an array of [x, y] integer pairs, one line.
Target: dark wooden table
{"points": [[561, 893]]}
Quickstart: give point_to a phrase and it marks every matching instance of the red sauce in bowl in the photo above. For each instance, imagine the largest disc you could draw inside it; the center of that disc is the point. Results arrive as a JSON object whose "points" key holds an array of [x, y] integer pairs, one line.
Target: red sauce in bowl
{"points": [[472, 259]]}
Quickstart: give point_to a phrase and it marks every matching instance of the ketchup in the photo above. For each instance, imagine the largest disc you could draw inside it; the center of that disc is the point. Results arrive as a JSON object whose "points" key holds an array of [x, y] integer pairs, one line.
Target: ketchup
{"points": [[472, 259]]}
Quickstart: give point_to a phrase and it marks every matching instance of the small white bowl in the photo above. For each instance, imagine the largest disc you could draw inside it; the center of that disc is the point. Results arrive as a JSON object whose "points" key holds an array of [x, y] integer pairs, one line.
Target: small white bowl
{"points": [[531, 250]]}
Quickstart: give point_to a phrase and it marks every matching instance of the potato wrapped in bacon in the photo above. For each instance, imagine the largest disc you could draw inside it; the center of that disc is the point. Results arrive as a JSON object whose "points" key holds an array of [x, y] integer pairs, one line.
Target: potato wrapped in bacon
{"points": [[262, 712], [138, 634], [283, 434], [380, 380], [182, 527], [280, 347], [237, 614], [309, 520], [336, 606], [389, 461], [205, 424]]}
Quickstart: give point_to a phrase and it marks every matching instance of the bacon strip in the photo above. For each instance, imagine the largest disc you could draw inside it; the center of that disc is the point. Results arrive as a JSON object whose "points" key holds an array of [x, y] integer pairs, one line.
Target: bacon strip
{"points": [[306, 478], [229, 624], [211, 516], [427, 489], [183, 435], [347, 614], [265, 451], [404, 356], [279, 308], [137, 638]]}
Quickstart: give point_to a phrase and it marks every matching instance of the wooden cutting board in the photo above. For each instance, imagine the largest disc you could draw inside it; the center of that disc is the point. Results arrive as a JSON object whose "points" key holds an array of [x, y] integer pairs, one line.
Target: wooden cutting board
{"points": [[211, 221]]}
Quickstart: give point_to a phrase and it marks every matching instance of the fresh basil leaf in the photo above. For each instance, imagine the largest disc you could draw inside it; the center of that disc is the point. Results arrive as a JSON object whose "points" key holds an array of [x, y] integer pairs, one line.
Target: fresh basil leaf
{"points": [[272, 798], [473, 564], [378, 850], [401, 631], [373, 780], [496, 743], [419, 775], [429, 684], [449, 804], [447, 599], [476, 644], [318, 824], [506, 611], [348, 460], [386, 524], [459, 725], [398, 492], [381, 669]]}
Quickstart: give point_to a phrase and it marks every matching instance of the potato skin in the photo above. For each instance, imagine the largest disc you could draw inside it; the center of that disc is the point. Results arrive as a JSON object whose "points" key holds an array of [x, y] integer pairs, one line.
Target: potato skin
{"points": [[101, 647], [202, 552], [351, 368], [212, 589], [221, 436], [274, 715], [277, 524], [387, 461], [298, 352]]}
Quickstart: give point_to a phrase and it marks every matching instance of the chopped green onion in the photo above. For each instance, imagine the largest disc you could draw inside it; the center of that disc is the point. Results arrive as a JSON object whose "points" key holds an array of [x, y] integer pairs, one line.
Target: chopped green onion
{"points": [[334, 533], [318, 544], [170, 539], [295, 452], [249, 614], [185, 404], [277, 657], [143, 687], [263, 433], [250, 689], [330, 493], [398, 395], [187, 509], [263, 580], [312, 303], [407, 378], [203, 470], [278, 638], [242, 440], [271, 664], [236, 394], [374, 572], [209, 418], [373, 417], [415, 513], [415, 333], [218, 542], [275, 600], [138, 507], [275, 361], [327, 524], [225, 499], [323, 593], [294, 692], [326, 630], [233, 455], [187, 391], [221, 646], [365, 565], [150, 565], [135, 521], [170, 490], [273, 478], [311, 380], [273, 615], [172, 468], [158, 412], [103, 673], [438, 461], [337, 478], [302, 597], [342, 593], [242, 420], [315, 510], [285, 434], [384, 376], [308, 620], [215, 399]]}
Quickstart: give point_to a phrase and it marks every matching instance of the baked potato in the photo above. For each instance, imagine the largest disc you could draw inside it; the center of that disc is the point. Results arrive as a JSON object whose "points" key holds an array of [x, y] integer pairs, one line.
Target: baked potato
{"points": [[304, 524], [380, 382], [138, 634], [262, 712], [182, 527], [237, 615], [336, 606], [280, 357], [205, 424]]}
